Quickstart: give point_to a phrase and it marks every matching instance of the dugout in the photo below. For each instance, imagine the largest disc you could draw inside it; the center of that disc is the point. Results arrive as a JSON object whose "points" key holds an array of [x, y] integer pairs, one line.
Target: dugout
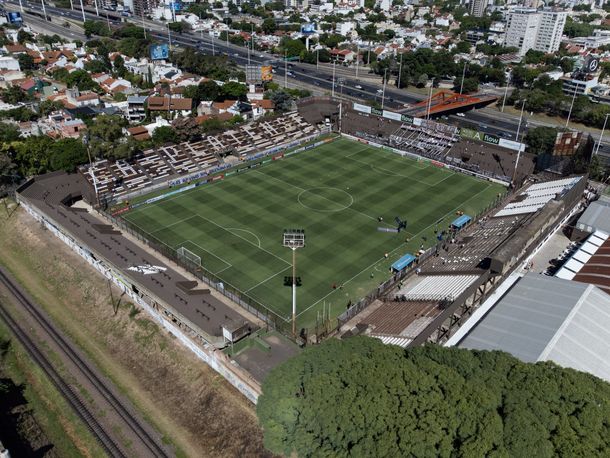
{"points": [[403, 263], [460, 222]]}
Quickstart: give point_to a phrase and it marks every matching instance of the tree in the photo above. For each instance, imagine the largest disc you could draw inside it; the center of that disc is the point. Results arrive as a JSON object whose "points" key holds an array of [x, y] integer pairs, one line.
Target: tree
{"points": [[9, 132], [541, 140], [359, 397], [14, 95], [119, 66], [96, 66], [82, 80], [233, 90], [177, 27], [269, 26], [164, 134], [462, 47], [96, 28], [282, 101], [207, 90], [46, 107], [24, 37], [67, 154], [470, 85], [8, 173], [292, 48], [26, 62], [106, 137]]}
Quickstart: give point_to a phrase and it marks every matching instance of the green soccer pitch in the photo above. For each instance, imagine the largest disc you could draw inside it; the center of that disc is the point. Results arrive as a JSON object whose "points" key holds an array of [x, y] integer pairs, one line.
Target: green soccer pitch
{"points": [[336, 192]]}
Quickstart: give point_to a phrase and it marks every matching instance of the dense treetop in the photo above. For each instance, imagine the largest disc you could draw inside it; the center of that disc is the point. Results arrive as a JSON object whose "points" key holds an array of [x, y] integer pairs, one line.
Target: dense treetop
{"points": [[359, 397]]}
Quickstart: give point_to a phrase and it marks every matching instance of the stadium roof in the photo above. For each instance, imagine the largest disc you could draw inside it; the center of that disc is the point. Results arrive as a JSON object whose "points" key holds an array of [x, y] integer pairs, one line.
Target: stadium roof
{"points": [[545, 318], [595, 217]]}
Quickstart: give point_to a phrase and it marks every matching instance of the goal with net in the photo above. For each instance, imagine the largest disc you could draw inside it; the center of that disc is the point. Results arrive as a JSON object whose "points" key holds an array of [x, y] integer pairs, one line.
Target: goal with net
{"points": [[188, 256]]}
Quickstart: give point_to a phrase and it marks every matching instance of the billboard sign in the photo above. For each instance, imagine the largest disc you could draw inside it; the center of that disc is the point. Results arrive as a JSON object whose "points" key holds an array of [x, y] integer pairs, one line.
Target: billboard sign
{"points": [[362, 108], [391, 115], [159, 52], [176, 6], [266, 73], [14, 17], [254, 74], [308, 28]]}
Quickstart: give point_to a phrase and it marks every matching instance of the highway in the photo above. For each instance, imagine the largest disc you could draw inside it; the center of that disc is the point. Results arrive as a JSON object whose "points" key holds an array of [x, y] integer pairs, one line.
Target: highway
{"points": [[319, 79]]}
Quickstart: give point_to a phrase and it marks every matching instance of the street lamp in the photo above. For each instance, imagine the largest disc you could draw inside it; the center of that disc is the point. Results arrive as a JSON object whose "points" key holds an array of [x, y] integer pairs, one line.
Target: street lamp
{"points": [[294, 239], [333, 90], [463, 75], [399, 71], [571, 105], [520, 147], [601, 135], [384, 83], [430, 100]]}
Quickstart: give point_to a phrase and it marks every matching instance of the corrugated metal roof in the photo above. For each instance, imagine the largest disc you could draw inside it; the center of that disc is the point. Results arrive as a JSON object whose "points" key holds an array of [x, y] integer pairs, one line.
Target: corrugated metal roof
{"points": [[596, 216], [547, 318]]}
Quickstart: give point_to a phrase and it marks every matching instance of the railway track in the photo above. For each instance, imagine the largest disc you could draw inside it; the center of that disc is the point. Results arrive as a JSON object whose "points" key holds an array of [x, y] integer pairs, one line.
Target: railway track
{"points": [[35, 350]]}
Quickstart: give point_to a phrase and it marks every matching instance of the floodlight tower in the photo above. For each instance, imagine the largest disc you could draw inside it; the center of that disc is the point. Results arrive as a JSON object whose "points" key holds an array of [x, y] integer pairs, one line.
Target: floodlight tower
{"points": [[294, 239]]}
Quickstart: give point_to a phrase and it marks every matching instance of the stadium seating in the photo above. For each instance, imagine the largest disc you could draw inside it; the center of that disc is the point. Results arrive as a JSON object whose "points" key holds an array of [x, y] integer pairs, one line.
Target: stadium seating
{"points": [[156, 165], [436, 288], [537, 196]]}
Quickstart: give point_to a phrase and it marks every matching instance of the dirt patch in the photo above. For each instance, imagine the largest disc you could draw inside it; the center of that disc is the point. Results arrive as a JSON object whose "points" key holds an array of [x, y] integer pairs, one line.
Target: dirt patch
{"points": [[192, 405]]}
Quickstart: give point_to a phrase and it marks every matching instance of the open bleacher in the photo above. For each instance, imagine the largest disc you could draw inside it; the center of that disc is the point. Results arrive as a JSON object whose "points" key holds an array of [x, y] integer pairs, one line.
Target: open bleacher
{"points": [[432, 140], [436, 288], [115, 179], [537, 196]]}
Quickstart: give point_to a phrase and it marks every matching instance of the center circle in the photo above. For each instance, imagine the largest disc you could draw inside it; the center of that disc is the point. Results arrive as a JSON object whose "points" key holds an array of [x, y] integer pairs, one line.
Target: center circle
{"points": [[325, 199]]}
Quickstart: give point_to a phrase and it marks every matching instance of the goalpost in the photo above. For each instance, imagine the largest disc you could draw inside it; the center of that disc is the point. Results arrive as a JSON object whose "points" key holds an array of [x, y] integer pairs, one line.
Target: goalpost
{"points": [[188, 256]]}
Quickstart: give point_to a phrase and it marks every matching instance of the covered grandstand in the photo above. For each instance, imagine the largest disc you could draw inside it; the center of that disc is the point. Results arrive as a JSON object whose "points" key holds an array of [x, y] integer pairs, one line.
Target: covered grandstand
{"points": [[447, 287], [442, 143]]}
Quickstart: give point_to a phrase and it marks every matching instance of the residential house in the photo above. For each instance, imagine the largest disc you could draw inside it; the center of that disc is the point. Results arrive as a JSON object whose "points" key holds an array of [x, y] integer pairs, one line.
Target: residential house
{"points": [[262, 107], [9, 63], [63, 125], [172, 105], [136, 108], [15, 48], [84, 99], [343, 56]]}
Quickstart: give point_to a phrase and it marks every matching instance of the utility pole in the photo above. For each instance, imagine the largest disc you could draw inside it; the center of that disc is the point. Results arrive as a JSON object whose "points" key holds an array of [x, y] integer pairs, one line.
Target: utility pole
{"points": [[141, 11], [318, 58], [520, 119], [357, 58], [333, 91], [601, 135], [399, 70], [97, 12], [213, 49], [82, 8], [383, 91], [169, 36], [108, 22], [505, 94], [44, 11], [463, 75], [430, 100], [285, 69], [21, 5], [571, 105]]}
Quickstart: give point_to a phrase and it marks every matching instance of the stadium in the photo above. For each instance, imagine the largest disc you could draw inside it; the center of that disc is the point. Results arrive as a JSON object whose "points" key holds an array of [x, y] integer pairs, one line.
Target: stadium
{"points": [[408, 224]]}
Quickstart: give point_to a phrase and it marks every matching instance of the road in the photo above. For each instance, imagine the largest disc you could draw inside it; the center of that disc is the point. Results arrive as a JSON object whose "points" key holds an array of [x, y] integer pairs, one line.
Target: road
{"points": [[318, 78], [108, 416]]}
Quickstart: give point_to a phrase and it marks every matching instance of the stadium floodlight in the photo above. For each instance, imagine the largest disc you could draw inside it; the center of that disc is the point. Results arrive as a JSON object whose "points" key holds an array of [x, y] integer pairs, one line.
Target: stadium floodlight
{"points": [[294, 239]]}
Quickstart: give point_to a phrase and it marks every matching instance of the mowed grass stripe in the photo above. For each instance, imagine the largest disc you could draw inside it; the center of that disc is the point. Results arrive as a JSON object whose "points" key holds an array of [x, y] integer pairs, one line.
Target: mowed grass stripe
{"points": [[228, 220]]}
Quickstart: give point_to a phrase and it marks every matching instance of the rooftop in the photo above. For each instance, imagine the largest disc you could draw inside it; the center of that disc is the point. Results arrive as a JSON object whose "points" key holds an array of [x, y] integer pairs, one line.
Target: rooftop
{"points": [[549, 319]]}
